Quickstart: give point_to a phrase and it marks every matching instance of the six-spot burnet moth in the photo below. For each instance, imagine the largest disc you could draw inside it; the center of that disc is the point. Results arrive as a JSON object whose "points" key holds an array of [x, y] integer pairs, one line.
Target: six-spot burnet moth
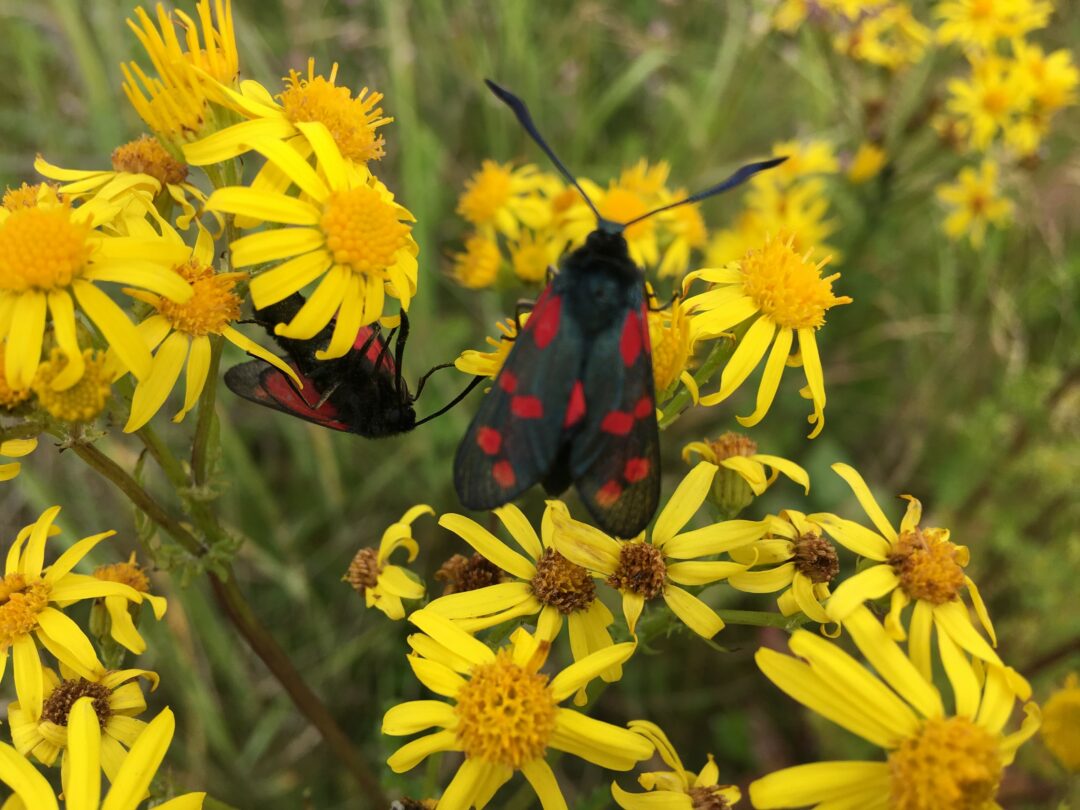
{"points": [[362, 392], [574, 400]]}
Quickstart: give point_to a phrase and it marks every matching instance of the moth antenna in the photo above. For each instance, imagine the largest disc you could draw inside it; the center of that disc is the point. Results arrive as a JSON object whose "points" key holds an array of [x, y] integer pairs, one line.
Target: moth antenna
{"points": [[525, 119], [738, 178], [468, 388]]}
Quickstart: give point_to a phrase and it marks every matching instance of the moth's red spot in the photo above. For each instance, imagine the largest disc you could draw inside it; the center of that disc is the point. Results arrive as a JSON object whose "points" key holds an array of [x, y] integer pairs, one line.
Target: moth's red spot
{"points": [[608, 494], [508, 381], [545, 322], [527, 407], [643, 408], [575, 410], [636, 469], [489, 440], [646, 340], [618, 423], [374, 352], [630, 343], [503, 474]]}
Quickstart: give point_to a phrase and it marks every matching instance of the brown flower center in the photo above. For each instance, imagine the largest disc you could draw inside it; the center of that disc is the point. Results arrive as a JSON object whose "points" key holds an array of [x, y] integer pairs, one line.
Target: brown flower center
{"points": [[146, 155], [732, 444], [63, 697], [364, 570], [708, 798], [641, 570], [461, 573], [815, 557], [928, 565], [562, 584]]}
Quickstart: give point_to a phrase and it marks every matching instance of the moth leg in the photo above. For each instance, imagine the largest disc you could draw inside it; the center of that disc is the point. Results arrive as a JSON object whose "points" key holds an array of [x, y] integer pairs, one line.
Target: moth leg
{"points": [[326, 396], [423, 380], [399, 351], [521, 306], [675, 296]]}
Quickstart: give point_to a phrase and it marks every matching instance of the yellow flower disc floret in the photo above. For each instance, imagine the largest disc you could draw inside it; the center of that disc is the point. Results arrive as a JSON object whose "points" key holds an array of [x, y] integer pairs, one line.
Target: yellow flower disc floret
{"points": [[127, 573], [362, 230], [930, 567], [486, 192], [20, 604], [211, 308], [623, 205], [1061, 723], [352, 121], [42, 248], [506, 713], [10, 397], [146, 155], [84, 400], [952, 764], [25, 196], [788, 288]]}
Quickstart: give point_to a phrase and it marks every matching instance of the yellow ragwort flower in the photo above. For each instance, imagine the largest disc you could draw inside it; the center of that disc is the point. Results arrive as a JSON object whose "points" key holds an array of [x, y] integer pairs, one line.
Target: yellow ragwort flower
{"points": [[122, 614], [54, 255], [803, 564], [82, 779], [10, 397], [544, 583], [785, 295], [1050, 81], [478, 265], [346, 231], [976, 204], [685, 231], [643, 569], [82, 402], [500, 198], [14, 448], [738, 453], [176, 103], [139, 164], [677, 789], [913, 564], [488, 364], [1061, 723], [889, 36], [383, 585], [934, 760], [504, 714], [534, 254], [179, 334], [27, 593], [867, 163], [117, 701], [981, 23], [988, 101], [672, 348]]}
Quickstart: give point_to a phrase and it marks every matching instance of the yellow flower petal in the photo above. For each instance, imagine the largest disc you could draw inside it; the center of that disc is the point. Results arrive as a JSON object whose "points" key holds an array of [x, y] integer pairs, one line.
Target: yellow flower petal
{"points": [[288, 277], [143, 760], [417, 715], [29, 684], [542, 779], [715, 539], [815, 378], [582, 672], [443, 630], [744, 360], [768, 581], [702, 573], [24, 338], [584, 545], [653, 800], [603, 744], [67, 642], [82, 787], [866, 500], [869, 584], [922, 622], [520, 529], [319, 308], [154, 389], [632, 605], [854, 536], [121, 335], [29, 785], [280, 243], [265, 207], [806, 785], [198, 367], [63, 317], [694, 613], [788, 468], [413, 753], [350, 318], [235, 140], [488, 545], [770, 378], [482, 601], [293, 165], [961, 676], [953, 618], [684, 502], [34, 555]]}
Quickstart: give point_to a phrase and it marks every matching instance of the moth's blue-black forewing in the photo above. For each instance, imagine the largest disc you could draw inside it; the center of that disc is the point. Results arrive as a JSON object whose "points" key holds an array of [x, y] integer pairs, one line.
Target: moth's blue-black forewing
{"points": [[516, 434], [615, 458]]}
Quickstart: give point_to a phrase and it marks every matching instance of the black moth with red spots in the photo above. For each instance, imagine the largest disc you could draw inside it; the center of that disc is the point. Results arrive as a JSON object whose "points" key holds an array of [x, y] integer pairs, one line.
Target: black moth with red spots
{"points": [[574, 401]]}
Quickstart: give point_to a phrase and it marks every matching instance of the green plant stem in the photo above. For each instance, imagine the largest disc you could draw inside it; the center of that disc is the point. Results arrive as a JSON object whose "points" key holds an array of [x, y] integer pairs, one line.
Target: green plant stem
{"points": [[236, 607], [760, 618], [721, 351], [207, 399]]}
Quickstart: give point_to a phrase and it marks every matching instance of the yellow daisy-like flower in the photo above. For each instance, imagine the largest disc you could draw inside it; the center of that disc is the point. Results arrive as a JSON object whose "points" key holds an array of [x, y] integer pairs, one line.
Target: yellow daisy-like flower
{"points": [[738, 453], [642, 570], [117, 701], [672, 348], [351, 121], [54, 255], [14, 448], [82, 402], [27, 593], [913, 564], [534, 253], [545, 583], [786, 295], [346, 231], [677, 789], [25, 196], [10, 397], [889, 36], [383, 585], [176, 103], [1052, 78], [621, 202], [1061, 723], [988, 101], [132, 164], [803, 564], [500, 198], [685, 227], [981, 23], [867, 163], [122, 614], [82, 780], [488, 364], [504, 715], [179, 334], [933, 760], [976, 203], [810, 157], [478, 265]]}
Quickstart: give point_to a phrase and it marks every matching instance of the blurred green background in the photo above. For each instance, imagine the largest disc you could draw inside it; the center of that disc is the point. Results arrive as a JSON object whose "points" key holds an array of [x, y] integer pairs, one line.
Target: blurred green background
{"points": [[954, 376]]}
